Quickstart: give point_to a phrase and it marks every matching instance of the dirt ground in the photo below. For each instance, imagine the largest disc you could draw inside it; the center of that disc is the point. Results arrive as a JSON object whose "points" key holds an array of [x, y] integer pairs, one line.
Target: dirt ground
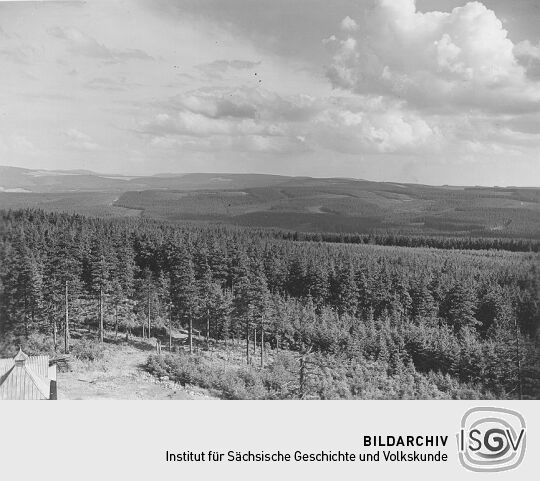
{"points": [[120, 375]]}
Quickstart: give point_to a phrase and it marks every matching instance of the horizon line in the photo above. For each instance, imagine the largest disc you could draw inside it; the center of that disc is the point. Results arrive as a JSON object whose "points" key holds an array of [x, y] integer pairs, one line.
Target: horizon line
{"points": [[83, 171]]}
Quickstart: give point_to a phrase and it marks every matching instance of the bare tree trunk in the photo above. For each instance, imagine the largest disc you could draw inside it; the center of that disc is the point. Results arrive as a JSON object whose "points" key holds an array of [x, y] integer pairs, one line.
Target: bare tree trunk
{"points": [[66, 321], [302, 378], [262, 347], [207, 329], [518, 356], [170, 333], [190, 334], [101, 314], [55, 334], [149, 330], [247, 342], [116, 321], [254, 341], [25, 314]]}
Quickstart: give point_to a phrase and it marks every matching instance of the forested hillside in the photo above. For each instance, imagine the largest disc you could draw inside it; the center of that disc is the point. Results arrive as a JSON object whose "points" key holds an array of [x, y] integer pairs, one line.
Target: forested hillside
{"points": [[330, 320], [333, 206]]}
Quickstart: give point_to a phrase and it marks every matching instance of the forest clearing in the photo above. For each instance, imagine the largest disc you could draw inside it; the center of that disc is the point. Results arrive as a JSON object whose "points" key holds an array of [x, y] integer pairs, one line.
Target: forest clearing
{"points": [[120, 374]]}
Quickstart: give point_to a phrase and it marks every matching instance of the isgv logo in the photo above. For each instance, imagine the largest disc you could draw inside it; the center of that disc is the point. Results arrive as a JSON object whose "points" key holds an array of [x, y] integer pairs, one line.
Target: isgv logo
{"points": [[491, 439]]}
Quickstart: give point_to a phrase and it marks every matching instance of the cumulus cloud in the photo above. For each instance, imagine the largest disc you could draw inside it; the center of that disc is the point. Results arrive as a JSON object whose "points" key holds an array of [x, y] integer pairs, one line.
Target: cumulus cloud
{"points": [[264, 121], [433, 60], [235, 143], [348, 24], [199, 125], [233, 119], [17, 145], [252, 103], [390, 131], [82, 44], [219, 67], [79, 140], [253, 120], [22, 145], [528, 55]]}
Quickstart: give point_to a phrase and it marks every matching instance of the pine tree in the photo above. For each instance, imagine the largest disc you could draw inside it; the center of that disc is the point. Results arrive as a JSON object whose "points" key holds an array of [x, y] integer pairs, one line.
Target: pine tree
{"points": [[100, 278], [460, 307], [184, 295]]}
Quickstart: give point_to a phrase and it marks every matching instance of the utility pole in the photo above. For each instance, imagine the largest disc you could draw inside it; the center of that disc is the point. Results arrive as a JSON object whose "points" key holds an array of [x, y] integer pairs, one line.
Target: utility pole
{"points": [[190, 333], [518, 358], [66, 321], [149, 336], [116, 320], [170, 329], [55, 333], [101, 314], [302, 377], [247, 341], [207, 328], [262, 347]]}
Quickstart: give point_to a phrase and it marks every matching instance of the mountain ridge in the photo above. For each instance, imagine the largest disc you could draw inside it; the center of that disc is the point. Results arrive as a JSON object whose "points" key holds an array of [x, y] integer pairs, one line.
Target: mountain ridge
{"points": [[83, 180]]}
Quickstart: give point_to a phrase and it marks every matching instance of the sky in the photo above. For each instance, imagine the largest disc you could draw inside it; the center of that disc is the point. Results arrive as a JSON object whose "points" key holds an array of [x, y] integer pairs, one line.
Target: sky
{"points": [[428, 91]]}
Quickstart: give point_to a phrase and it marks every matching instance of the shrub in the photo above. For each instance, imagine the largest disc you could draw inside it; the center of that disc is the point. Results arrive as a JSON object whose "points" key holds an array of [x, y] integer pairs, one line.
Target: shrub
{"points": [[86, 350], [36, 344]]}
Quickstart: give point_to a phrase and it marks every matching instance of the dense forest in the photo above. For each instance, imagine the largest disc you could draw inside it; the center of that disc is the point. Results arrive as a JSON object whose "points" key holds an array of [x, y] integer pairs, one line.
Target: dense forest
{"points": [[314, 319]]}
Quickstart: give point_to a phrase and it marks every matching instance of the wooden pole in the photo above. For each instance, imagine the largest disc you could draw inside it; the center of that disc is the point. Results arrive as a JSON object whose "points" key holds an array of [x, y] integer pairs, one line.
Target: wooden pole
{"points": [[25, 313], [170, 331], [190, 334], [518, 356], [55, 333], [101, 314], [116, 320], [149, 333], [66, 321], [254, 341], [208, 329], [247, 342], [262, 347], [302, 378]]}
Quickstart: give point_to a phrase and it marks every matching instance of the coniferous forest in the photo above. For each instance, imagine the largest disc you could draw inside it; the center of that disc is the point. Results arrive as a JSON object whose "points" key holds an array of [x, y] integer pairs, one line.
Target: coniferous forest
{"points": [[305, 318]]}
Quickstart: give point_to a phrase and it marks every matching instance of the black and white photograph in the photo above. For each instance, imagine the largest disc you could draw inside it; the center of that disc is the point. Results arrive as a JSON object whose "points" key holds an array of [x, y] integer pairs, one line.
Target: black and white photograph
{"points": [[270, 200]]}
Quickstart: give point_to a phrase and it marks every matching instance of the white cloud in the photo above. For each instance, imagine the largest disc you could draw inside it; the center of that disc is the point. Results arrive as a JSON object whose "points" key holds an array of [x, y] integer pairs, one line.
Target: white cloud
{"points": [[216, 119], [22, 144], [410, 87], [79, 140], [219, 67], [366, 125], [348, 24], [528, 55], [17, 145], [236, 143], [460, 59], [527, 49], [82, 44], [267, 121]]}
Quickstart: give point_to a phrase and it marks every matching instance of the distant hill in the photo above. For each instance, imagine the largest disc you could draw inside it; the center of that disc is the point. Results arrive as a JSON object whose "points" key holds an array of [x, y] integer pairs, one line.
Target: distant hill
{"points": [[15, 179], [339, 205]]}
